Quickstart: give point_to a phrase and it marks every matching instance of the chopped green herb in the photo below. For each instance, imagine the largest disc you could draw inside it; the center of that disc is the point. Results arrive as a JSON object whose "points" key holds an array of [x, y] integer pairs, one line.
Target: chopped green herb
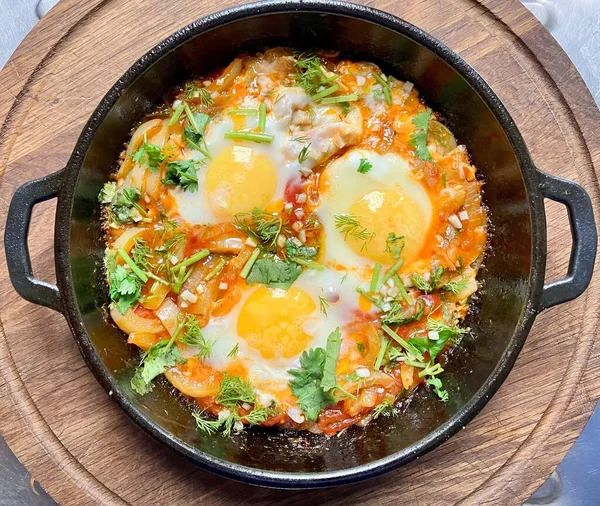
{"points": [[304, 252], [153, 363], [437, 385], [123, 204], [193, 133], [129, 261], [151, 155], [177, 114], [306, 384], [398, 315], [304, 153], [361, 348], [235, 390], [375, 277], [274, 273], [326, 92], [125, 286], [196, 257], [217, 269], [140, 253], [258, 137], [394, 244], [260, 225], [262, 117], [191, 335], [248, 265], [404, 344], [323, 305], [242, 112], [234, 351], [418, 140], [332, 351], [339, 99], [182, 173], [392, 271], [456, 286], [385, 343], [310, 73], [430, 283], [364, 166], [349, 225], [386, 408]]}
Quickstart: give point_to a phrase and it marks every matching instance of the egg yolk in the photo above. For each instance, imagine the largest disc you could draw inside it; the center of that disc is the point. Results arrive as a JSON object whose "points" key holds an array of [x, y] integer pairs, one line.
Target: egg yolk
{"points": [[271, 321], [238, 180], [382, 212]]}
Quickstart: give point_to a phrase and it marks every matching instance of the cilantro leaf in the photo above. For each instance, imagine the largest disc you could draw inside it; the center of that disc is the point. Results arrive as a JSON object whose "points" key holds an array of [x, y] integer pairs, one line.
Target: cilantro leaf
{"points": [[332, 351], [153, 364], [364, 166], [150, 154], [108, 192], [274, 273], [122, 204], [195, 138], [418, 140], [182, 173], [306, 384], [125, 286]]}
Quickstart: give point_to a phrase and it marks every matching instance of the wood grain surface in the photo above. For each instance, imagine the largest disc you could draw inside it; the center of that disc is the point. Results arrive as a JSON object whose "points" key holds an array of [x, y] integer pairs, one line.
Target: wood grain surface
{"points": [[84, 450]]}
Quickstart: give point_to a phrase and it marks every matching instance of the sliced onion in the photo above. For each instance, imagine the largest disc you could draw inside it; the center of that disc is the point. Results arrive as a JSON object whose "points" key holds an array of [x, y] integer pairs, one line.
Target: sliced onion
{"points": [[157, 296], [194, 379], [149, 128], [160, 137], [142, 340], [131, 322], [229, 74], [167, 313], [127, 239]]}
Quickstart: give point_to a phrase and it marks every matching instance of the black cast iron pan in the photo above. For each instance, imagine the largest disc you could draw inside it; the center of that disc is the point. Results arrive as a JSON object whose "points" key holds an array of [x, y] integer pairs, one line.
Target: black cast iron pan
{"points": [[513, 276]]}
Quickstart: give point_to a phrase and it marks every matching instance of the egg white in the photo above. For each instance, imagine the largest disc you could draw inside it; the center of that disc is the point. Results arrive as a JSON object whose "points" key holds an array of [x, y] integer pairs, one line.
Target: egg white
{"points": [[331, 284], [347, 186]]}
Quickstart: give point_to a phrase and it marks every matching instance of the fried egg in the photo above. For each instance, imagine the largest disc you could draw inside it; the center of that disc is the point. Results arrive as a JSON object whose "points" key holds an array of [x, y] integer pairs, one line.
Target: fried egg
{"points": [[272, 327], [385, 199]]}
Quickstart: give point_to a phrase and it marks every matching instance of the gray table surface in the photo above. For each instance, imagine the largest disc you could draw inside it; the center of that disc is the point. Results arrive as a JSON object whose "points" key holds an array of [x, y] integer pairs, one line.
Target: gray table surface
{"points": [[576, 26]]}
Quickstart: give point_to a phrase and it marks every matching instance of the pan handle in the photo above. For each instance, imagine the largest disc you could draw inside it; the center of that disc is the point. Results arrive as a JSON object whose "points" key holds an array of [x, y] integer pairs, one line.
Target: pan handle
{"points": [[15, 241], [583, 233]]}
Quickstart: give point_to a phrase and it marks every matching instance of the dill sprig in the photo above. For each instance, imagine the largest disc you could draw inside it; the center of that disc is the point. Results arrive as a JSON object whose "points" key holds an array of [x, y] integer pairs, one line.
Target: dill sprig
{"points": [[235, 390], [350, 226], [456, 286], [310, 73], [304, 153], [323, 305], [386, 408], [260, 225], [141, 253], [192, 336]]}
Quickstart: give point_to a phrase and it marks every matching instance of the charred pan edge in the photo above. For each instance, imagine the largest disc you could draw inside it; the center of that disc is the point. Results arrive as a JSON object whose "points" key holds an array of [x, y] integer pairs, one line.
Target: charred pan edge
{"points": [[280, 479]]}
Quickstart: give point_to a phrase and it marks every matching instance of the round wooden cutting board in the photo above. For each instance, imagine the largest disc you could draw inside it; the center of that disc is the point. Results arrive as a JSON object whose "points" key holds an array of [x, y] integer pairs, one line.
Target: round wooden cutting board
{"points": [[82, 447]]}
